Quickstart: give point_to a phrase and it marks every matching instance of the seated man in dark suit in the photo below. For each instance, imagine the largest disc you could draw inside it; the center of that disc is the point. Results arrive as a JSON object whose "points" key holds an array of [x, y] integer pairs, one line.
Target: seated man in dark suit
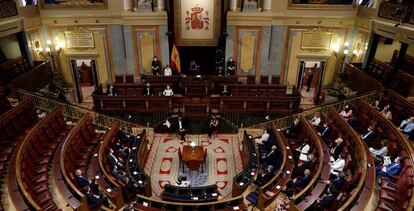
{"points": [[148, 90], [81, 180], [226, 91], [326, 201], [389, 170], [114, 160], [293, 130], [119, 174], [299, 184], [267, 174], [95, 198], [270, 157], [337, 183], [369, 136], [324, 134], [302, 166]]}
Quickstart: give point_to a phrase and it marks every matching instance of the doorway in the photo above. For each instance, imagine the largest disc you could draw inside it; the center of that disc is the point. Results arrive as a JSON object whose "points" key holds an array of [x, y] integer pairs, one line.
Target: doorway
{"points": [[86, 79], [310, 81]]}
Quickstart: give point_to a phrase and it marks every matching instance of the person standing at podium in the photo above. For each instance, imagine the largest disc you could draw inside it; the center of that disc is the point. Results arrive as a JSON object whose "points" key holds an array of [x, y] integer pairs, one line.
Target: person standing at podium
{"points": [[194, 68], [156, 66]]}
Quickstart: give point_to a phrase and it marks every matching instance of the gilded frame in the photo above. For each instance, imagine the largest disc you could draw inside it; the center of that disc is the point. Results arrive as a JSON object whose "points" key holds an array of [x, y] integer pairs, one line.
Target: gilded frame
{"points": [[294, 6], [314, 47], [197, 42], [102, 6]]}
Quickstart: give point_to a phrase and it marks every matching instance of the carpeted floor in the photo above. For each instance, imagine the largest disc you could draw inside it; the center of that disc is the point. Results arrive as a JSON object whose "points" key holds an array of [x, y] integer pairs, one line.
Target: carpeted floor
{"points": [[223, 163]]}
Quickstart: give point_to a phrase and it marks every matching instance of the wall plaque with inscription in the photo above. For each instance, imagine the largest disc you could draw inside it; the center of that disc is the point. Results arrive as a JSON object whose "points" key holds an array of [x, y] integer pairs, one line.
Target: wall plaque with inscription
{"points": [[316, 40], [79, 39]]}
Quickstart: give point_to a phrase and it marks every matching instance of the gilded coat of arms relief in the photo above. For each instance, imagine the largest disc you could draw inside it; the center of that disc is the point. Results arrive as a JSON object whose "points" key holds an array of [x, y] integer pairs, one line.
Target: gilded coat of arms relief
{"points": [[197, 19]]}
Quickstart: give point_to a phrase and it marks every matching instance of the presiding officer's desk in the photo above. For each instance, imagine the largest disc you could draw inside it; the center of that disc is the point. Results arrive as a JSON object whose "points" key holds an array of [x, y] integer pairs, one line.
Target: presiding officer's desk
{"points": [[197, 96]]}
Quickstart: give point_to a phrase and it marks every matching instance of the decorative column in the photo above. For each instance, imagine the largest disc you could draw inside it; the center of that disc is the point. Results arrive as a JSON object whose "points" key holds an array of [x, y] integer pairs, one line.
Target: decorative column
{"points": [[160, 5], [232, 5], [267, 5], [127, 5]]}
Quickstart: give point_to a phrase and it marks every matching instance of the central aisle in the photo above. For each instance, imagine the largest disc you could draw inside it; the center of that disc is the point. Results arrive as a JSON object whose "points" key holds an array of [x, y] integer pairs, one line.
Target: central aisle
{"points": [[223, 161]]}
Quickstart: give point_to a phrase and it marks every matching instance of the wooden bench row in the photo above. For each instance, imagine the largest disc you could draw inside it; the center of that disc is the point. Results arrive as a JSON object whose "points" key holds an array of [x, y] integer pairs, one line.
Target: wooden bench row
{"points": [[33, 158], [14, 126], [74, 153], [250, 160], [393, 195], [271, 190], [320, 170]]}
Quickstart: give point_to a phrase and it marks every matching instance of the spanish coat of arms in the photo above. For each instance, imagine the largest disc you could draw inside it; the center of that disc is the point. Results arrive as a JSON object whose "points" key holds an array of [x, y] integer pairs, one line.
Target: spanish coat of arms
{"points": [[197, 18]]}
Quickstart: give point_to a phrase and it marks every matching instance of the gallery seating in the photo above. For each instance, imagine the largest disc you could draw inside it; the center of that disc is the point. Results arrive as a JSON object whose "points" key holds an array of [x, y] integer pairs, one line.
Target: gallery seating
{"points": [[268, 192], [135, 163], [250, 160], [105, 180], [12, 68], [360, 175], [33, 158], [14, 126], [320, 168], [74, 153], [393, 195]]}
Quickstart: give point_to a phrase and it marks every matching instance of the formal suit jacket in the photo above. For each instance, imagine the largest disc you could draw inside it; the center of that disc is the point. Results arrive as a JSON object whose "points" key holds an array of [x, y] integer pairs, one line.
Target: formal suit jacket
{"points": [[337, 150], [294, 129], [325, 133], [112, 159], [393, 169], [369, 137], [148, 91], [327, 201], [302, 182], [82, 181], [337, 183]]}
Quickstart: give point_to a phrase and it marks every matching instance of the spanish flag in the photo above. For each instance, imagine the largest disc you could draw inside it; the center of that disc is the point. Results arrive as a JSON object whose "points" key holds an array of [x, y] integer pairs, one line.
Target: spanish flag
{"points": [[175, 60]]}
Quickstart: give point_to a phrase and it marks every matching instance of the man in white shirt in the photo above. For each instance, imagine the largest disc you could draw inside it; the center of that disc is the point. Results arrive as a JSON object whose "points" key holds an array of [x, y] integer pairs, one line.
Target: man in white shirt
{"points": [[168, 91], [338, 165], [407, 126], [264, 138], [167, 71]]}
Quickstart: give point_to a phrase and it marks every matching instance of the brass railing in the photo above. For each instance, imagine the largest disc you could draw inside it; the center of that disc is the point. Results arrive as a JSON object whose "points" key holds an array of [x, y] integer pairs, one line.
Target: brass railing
{"points": [[338, 106], [8, 9], [75, 112]]}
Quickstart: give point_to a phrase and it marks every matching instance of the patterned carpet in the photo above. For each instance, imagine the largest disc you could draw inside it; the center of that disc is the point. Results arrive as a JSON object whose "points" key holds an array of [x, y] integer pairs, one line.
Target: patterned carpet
{"points": [[223, 161]]}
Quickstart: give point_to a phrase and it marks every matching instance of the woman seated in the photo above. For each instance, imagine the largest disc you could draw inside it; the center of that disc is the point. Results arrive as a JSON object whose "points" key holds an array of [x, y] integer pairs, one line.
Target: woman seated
{"points": [[386, 112], [376, 105], [168, 91], [346, 113], [316, 120]]}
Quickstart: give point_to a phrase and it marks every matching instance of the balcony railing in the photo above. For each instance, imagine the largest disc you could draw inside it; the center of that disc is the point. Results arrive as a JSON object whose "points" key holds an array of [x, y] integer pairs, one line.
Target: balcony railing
{"points": [[397, 12], [8, 9]]}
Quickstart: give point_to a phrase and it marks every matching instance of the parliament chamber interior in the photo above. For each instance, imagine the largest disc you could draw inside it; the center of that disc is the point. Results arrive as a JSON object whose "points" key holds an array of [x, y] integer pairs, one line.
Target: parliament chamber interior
{"points": [[215, 105]]}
